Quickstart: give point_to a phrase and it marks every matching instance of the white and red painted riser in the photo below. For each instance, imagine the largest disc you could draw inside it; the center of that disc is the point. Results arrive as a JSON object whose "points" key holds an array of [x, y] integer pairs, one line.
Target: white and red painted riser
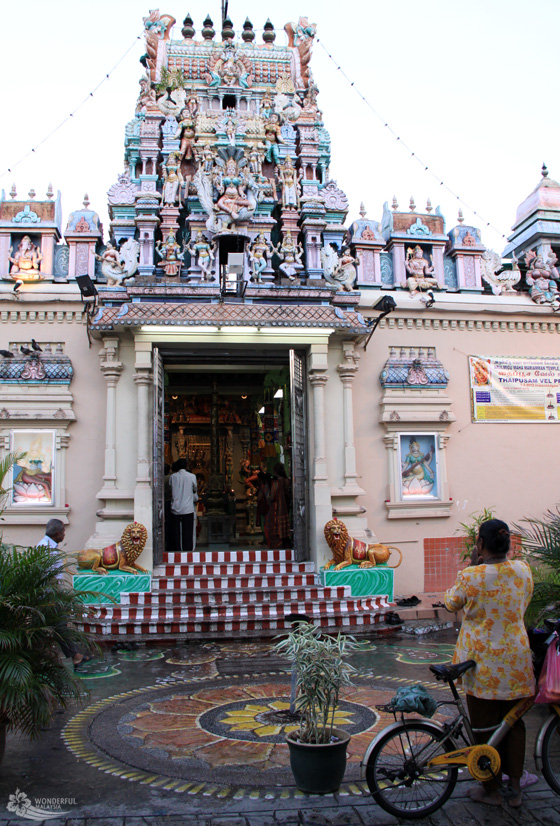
{"points": [[225, 628], [234, 596], [198, 613], [220, 593]]}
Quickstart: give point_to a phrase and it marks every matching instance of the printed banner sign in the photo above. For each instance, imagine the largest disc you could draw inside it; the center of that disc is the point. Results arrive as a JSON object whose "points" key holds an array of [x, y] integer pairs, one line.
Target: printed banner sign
{"points": [[512, 389]]}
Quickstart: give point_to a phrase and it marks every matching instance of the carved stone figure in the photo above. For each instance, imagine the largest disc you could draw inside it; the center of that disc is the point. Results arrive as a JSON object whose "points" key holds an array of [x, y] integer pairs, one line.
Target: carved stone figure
{"points": [[187, 132], [171, 254], [147, 97], [541, 278], [348, 551], [500, 282], [291, 254], [229, 193], [419, 271], [233, 199], [300, 39], [204, 253], [230, 68], [173, 180], [289, 179], [25, 262], [259, 251], [116, 265], [121, 556], [339, 271], [273, 136], [156, 27], [205, 156]]}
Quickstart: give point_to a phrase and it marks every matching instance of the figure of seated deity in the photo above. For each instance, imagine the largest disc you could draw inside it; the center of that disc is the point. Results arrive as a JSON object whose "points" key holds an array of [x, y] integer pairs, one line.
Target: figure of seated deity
{"points": [[420, 272]]}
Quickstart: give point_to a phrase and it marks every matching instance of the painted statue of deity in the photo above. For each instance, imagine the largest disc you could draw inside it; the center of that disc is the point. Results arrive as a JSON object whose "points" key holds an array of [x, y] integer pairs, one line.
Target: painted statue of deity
{"points": [[291, 254], [204, 253], [173, 180], [26, 260], [171, 254], [417, 474], [541, 278], [272, 134], [289, 179], [186, 131], [234, 198], [420, 272], [259, 251], [206, 157]]}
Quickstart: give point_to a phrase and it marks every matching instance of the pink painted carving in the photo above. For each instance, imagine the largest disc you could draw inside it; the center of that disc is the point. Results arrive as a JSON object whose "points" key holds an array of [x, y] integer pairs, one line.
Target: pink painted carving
{"points": [[469, 270], [123, 191]]}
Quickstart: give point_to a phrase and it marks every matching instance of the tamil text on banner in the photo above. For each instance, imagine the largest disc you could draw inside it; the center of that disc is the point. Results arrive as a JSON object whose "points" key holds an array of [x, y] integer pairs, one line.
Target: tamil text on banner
{"points": [[511, 389]]}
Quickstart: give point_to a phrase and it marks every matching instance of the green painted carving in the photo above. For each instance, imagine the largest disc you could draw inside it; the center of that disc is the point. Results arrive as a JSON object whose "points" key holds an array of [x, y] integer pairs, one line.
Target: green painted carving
{"points": [[114, 583], [364, 582]]}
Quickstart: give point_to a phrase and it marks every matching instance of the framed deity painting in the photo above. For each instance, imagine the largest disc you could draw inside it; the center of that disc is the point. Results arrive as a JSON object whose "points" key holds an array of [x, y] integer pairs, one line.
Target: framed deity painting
{"points": [[418, 463], [33, 474]]}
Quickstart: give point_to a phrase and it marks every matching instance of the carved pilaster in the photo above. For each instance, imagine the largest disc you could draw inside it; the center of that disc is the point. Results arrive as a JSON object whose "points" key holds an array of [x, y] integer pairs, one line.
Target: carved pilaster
{"points": [[111, 368], [347, 371]]}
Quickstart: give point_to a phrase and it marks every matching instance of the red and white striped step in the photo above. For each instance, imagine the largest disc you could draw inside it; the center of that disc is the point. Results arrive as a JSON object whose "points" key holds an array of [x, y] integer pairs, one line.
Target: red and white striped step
{"points": [[218, 593]]}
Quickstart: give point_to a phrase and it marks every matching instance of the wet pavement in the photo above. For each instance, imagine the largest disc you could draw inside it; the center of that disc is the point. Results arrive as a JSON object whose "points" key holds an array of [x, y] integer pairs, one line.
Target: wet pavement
{"points": [[192, 735]]}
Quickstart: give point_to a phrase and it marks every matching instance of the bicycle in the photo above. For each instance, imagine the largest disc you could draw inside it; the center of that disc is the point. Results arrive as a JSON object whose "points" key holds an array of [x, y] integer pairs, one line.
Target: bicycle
{"points": [[411, 767]]}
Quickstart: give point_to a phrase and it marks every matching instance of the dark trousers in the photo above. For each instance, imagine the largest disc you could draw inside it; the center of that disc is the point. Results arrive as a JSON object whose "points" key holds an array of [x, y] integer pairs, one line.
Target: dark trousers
{"points": [[183, 527], [484, 713]]}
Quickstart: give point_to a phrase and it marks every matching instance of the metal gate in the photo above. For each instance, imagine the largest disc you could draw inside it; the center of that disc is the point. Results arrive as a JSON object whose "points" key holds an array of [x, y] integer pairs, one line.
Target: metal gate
{"points": [[158, 508], [300, 507]]}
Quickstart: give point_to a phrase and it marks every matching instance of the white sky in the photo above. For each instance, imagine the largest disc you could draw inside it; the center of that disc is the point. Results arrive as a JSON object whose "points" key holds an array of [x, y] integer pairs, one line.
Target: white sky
{"points": [[471, 88]]}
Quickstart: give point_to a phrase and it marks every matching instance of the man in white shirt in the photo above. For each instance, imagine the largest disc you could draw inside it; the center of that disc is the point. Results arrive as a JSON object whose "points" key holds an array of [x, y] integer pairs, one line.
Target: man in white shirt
{"points": [[183, 499]]}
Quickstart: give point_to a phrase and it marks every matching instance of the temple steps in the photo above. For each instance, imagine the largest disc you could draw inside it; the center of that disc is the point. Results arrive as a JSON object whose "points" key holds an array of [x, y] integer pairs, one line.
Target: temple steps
{"points": [[216, 594]]}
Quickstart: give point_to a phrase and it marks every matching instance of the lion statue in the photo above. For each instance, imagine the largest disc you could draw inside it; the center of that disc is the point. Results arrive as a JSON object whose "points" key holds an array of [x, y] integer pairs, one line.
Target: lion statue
{"points": [[347, 551], [121, 556]]}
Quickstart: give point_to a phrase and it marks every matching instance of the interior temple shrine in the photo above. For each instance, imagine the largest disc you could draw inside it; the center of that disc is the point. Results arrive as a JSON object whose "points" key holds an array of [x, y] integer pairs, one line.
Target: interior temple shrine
{"points": [[391, 372]]}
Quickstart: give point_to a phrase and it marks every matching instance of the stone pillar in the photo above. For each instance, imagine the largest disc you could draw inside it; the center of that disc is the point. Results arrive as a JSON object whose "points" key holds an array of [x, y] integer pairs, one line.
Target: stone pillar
{"points": [[347, 372], [111, 368], [321, 508], [143, 488]]}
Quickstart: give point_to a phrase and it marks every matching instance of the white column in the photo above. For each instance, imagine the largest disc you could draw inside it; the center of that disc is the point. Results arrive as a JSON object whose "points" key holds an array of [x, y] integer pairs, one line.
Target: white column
{"points": [[321, 507], [143, 489], [111, 368], [318, 382], [347, 372]]}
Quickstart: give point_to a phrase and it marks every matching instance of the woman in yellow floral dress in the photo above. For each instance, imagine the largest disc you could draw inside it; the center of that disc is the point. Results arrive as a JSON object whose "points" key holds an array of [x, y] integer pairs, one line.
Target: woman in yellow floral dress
{"points": [[494, 593]]}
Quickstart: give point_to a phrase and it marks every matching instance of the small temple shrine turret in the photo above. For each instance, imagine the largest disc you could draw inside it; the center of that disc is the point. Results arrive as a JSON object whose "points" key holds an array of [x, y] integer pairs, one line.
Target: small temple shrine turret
{"points": [[29, 232]]}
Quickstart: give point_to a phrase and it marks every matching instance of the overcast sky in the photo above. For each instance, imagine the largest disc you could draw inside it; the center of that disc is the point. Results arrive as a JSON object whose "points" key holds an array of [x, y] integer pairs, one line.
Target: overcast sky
{"points": [[471, 88]]}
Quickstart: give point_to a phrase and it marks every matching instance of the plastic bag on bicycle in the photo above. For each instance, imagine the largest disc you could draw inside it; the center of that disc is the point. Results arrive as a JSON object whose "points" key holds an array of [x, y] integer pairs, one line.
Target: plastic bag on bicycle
{"points": [[549, 681]]}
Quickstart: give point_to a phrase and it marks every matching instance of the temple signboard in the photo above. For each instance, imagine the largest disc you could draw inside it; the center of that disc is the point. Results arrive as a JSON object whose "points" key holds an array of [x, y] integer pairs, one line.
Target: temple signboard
{"points": [[512, 389]]}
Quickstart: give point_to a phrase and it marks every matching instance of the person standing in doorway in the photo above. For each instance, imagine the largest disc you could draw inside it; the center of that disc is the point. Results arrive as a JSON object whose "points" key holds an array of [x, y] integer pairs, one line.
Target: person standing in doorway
{"points": [[184, 495]]}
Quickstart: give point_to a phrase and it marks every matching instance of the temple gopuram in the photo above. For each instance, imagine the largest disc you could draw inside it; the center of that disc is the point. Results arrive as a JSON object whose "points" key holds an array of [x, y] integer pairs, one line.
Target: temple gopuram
{"points": [[393, 374]]}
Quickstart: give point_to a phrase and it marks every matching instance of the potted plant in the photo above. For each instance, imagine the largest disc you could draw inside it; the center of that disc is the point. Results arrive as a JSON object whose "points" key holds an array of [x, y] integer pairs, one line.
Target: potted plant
{"points": [[317, 747]]}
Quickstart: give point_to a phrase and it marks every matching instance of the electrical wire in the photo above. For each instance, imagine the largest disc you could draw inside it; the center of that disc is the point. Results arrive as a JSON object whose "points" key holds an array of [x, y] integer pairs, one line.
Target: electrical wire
{"points": [[73, 112], [403, 143]]}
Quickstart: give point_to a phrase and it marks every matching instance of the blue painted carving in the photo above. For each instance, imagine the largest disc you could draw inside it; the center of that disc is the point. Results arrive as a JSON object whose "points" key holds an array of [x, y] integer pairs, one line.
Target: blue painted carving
{"points": [[50, 368], [386, 222], [27, 216], [413, 367], [61, 261], [440, 214], [418, 228], [450, 273], [387, 269]]}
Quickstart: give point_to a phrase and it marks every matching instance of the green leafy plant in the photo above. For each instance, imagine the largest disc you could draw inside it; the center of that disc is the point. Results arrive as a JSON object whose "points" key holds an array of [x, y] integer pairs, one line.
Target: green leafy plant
{"points": [[540, 540], [35, 615], [321, 672], [470, 529]]}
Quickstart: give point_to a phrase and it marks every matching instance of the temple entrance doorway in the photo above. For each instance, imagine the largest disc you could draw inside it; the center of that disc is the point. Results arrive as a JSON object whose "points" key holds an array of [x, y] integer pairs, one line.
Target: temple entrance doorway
{"points": [[239, 422]]}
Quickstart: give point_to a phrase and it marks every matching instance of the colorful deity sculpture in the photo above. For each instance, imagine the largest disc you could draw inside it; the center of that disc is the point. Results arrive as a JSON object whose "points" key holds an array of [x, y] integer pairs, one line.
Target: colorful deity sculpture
{"points": [[187, 132], [204, 253], [173, 180], [171, 254], [339, 271], [26, 260], [291, 254], [116, 265], [289, 179], [419, 272], [259, 251], [541, 278], [272, 135]]}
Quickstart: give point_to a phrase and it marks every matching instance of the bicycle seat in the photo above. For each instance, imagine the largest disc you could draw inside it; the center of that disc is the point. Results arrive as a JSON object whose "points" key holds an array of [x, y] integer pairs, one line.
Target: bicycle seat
{"points": [[451, 672]]}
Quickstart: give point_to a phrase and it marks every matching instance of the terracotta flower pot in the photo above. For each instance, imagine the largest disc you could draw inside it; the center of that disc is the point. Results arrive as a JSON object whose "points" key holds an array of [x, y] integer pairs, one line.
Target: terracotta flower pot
{"points": [[318, 768]]}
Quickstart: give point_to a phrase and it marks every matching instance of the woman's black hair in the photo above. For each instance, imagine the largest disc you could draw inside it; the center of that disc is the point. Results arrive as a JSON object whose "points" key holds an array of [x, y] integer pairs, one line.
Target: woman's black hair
{"points": [[495, 536]]}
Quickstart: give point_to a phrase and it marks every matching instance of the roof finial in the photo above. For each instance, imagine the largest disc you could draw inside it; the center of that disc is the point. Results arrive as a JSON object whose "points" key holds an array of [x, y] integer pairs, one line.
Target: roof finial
{"points": [[248, 34], [362, 210], [394, 205], [31, 193], [429, 206], [188, 31], [50, 192], [13, 191], [269, 35], [412, 205], [544, 171], [86, 201], [460, 217]]}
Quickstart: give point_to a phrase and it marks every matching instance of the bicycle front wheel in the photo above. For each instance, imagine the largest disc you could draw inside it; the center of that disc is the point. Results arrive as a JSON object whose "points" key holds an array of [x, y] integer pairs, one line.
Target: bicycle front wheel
{"points": [[397, 775], [551, 754]]}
